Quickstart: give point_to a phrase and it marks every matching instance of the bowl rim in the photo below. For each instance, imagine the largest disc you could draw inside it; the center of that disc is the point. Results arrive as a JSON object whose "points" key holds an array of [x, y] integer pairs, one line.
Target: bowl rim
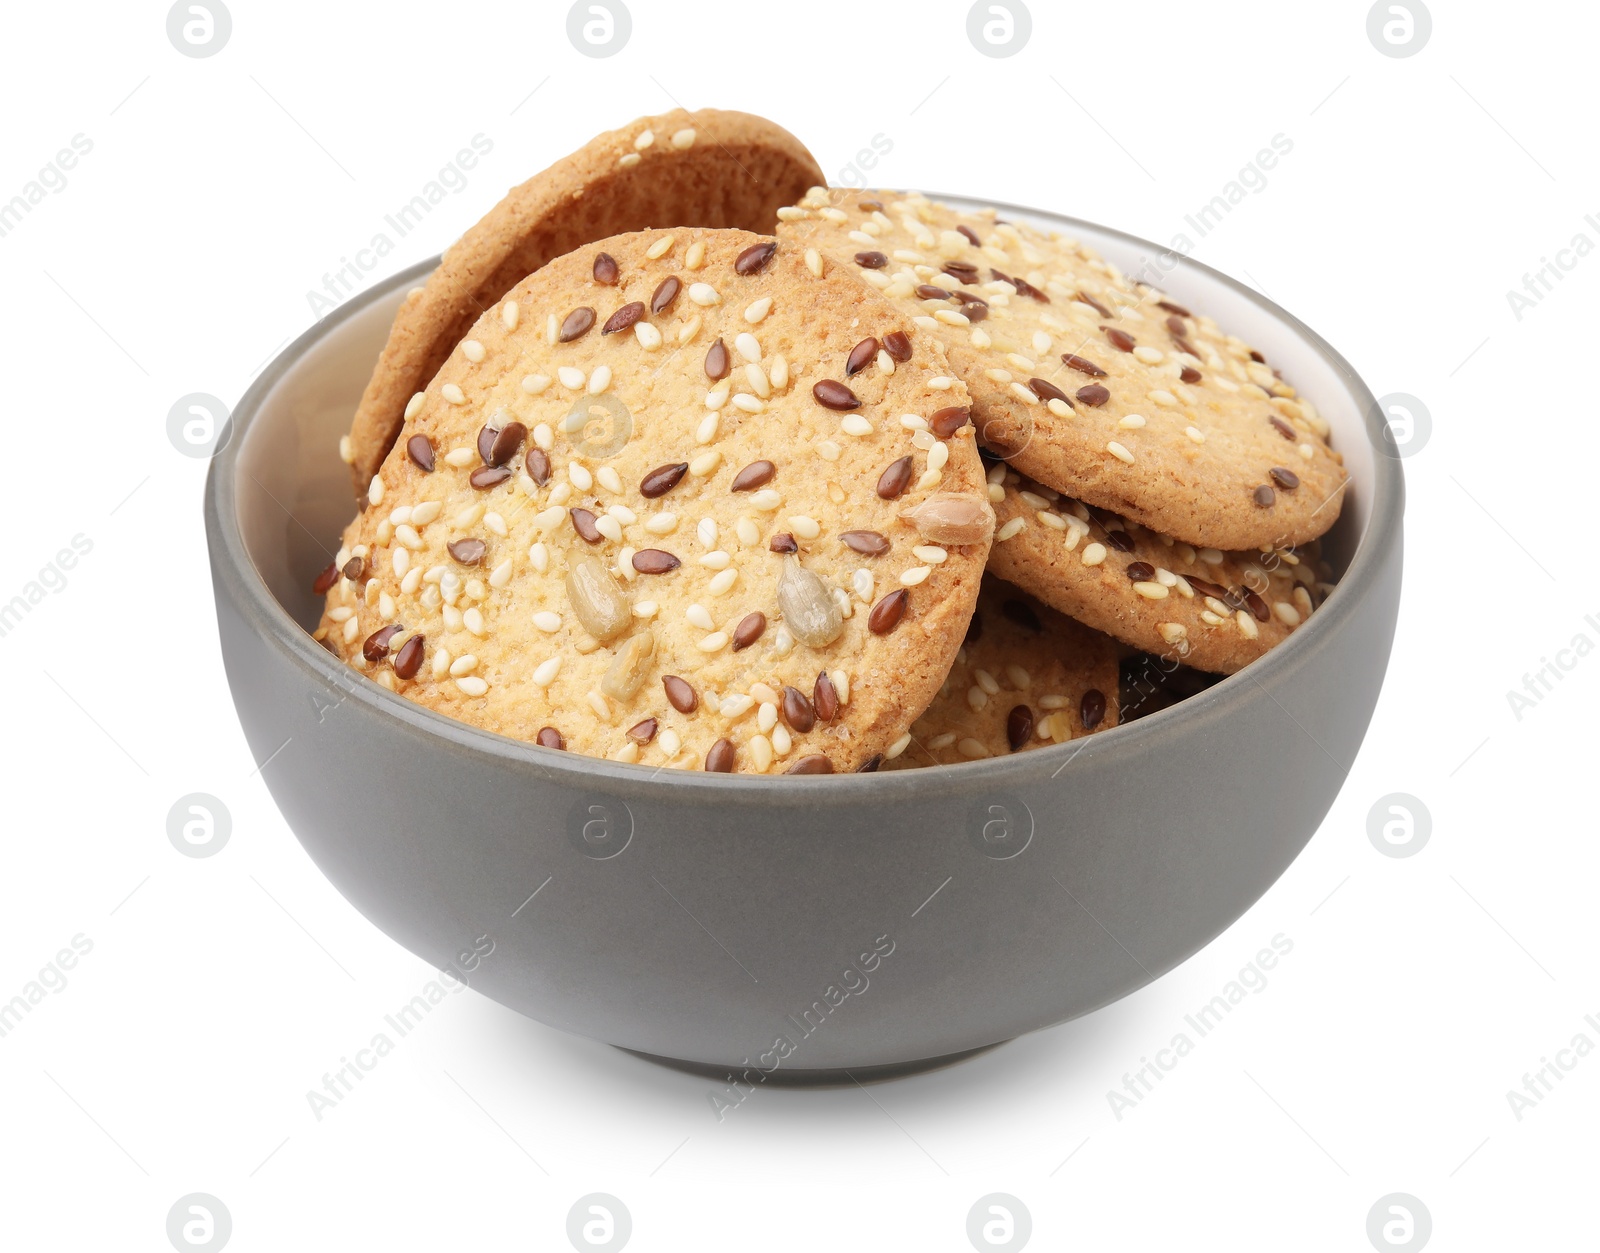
{"points": [[268, 617]]}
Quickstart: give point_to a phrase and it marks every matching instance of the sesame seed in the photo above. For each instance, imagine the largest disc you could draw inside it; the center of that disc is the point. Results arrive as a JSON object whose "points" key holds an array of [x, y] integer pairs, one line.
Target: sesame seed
{"points": [[472, 685], [747, 403], [1287, 613], [971, 749], [695, 256], [1011, 528], [915, 575], [938, 455], [804, 527], [1094, 554], [863, 582], [1119, 452], [706, 463], [747, 346], [545, 673], [464, 664], [941, 383], [599, 380], [662, 523], [1163, 397], [1247, 624], [599, 704], [453, 394], [758, 309], [704, 294], [415, 404], [713, 642], [645, 609], [472, 350], [855, 424], [1132, 421], [766, 500], [683, 139], [828, 450], [899, 746], [571, 377], [814, 262]]}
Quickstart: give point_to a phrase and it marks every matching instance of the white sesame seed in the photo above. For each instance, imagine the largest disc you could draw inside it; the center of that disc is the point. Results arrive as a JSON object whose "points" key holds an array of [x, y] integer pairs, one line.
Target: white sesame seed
{"points": [[899, 746], [747, 531], [472, 685], [1131, 421], [347, 451], [1148, 355], [548, 518], [1163, 397], [472, 350], [704, 294], [804, 527], [599, 380], [707, 430], [758, 309], [340, 613], [929, 479], [352, 628], [1287, 613], [723, 581], [1307, 451], [644, 139], [645, 608], [766, 500], [1119, 452], [453, 394], [863, 582], [977, 697], [661, 523], [649, 338], [828, 450], [1151, 590], [855, 424], [706, 463], [951, 318], [972, 749], [747, 346], [580, 476], [1246, 624], [1011, 528], [545, 673], [660, 248], [683, 139], [915, 575], [472, 619], [941, 383], [713, 642], [980, 338], [628, 160], [706, 532], [599, 704], [717, 396], [938, 455], [571, 377], [464, 664], [716, 559], [375, 491], [689, 330], [1094, 554], [415, 404], [756, 377], [814, 262], [695, 256]]}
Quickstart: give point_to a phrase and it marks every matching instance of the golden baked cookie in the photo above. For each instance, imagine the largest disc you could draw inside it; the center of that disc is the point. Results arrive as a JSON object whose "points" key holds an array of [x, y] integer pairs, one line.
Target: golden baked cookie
{"points": [[1201, 607], [707, 168], [1026, 677], [680, 499], [1098, 386]]}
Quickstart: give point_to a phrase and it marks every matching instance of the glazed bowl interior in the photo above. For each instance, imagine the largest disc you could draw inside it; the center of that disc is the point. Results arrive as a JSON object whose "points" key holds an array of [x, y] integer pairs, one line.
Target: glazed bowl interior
{"points": [[293, 493]]}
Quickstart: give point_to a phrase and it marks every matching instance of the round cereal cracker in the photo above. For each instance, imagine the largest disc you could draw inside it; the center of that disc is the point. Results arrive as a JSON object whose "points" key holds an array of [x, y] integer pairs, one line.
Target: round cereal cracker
{"points": [[681, 515]]}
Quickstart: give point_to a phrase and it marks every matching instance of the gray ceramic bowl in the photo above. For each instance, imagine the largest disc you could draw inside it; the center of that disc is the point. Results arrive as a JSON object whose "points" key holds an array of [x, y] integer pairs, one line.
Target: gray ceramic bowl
{"points": [[804, 925]]}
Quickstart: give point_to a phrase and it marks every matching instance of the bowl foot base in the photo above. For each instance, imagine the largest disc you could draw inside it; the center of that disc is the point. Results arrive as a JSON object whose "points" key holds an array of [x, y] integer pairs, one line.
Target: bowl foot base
{"points": [[785, 1077]]}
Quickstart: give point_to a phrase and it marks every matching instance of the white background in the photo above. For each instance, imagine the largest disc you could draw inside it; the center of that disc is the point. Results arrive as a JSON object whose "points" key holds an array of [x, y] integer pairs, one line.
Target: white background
{"points": [[178, 258]]}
